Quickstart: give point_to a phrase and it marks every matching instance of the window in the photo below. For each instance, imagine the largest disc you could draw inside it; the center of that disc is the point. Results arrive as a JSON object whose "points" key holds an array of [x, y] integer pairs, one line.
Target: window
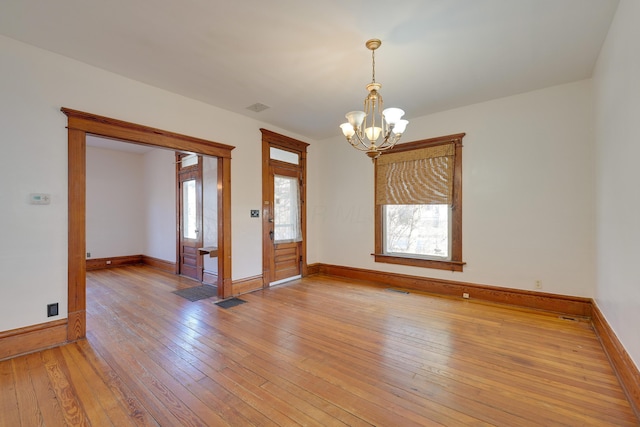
{"points": [[286, 210], [418, 212]]}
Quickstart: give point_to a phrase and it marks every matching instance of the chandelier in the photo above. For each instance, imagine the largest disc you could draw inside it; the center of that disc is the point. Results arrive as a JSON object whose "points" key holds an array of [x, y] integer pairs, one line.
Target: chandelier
{"points": [[365, 128]]}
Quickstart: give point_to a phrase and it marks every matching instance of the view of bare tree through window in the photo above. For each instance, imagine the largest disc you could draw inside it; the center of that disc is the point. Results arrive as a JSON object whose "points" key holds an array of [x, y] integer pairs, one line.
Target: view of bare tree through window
{"points": [[418, 230]]}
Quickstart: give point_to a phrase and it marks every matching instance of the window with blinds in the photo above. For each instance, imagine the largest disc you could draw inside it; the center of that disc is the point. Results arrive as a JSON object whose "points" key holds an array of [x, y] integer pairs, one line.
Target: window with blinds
{"points": [[418, 195]]}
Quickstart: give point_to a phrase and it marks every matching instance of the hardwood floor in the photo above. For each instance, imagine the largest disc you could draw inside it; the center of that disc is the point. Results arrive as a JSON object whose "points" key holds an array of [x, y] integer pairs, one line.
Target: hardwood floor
{"points": [[318, 352]]}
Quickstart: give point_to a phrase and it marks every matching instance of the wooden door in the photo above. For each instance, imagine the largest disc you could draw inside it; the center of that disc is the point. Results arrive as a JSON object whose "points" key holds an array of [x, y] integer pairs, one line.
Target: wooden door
{"points": [[283, 209], [189, 180], [286, 228]]}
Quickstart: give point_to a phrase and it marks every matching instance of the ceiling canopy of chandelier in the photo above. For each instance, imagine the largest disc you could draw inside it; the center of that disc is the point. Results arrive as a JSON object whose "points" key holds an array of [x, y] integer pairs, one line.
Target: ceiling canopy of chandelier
{"points": [[365, 129]]}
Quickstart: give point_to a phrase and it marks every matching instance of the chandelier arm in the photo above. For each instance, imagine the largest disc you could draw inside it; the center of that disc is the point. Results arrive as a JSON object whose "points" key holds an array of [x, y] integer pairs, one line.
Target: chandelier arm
{"points": [[359, 141], [359, 144], [388, 143]]}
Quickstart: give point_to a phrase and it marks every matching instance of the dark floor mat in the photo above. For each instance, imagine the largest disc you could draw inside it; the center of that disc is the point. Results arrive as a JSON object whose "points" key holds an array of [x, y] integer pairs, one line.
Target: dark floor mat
{"points": [[198, 292], [231, 302]]}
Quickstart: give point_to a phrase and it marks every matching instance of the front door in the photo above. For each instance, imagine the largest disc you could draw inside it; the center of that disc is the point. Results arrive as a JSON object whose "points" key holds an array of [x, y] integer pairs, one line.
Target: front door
{"points": [[286, 228], [189, 173], [283, 210]]}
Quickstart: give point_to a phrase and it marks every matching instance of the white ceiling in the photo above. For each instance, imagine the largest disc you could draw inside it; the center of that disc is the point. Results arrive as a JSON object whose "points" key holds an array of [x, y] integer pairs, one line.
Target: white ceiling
{"points": [[307, 59]]}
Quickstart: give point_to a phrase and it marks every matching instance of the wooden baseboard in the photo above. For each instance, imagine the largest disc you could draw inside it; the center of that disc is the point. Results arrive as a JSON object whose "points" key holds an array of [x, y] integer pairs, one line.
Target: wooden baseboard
{"points": [[246, 285], [121, 261], [32, 338], [209, 278], [160, 264], [575, 306], [624, 367], [117, 261], [313, 269]]}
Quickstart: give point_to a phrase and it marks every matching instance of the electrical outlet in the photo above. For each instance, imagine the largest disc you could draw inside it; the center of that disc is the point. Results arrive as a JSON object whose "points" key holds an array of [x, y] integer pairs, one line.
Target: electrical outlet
{"points": [[52, 309], [88, 254], [538, 284], [108, 262], [255, 213], [465, 295]]}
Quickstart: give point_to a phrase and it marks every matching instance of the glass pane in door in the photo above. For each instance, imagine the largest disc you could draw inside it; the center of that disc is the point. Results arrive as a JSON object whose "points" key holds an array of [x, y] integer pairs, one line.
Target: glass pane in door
{"points": [[189, 224], [286, 213]]}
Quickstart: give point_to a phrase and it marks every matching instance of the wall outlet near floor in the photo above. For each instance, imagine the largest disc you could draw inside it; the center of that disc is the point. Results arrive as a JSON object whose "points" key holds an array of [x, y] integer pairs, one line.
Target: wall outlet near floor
{"points": [[538, 284], [108, 262], [88, 254], [465, 295], [52, 309]]}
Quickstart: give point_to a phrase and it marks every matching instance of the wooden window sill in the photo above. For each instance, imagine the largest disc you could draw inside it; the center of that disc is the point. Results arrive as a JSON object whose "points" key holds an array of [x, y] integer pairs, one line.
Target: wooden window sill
{"points": [[420, 262]]}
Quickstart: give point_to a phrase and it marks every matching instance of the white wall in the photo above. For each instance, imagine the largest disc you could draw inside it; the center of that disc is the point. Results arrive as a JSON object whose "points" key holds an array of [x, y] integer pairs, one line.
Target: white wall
{"points": [[528, 202], [131, 204], [617, 95], [210, 210], [159, 195], [114, 208], [34, 85]]}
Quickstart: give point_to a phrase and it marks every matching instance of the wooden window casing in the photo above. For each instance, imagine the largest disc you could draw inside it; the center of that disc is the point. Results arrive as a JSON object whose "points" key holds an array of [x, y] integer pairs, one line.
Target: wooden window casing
{"points": [[455, 262]]}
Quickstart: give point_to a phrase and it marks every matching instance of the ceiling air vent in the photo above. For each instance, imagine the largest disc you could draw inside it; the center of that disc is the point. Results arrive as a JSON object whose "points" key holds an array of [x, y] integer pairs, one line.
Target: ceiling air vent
{"points": [[257, 107]]}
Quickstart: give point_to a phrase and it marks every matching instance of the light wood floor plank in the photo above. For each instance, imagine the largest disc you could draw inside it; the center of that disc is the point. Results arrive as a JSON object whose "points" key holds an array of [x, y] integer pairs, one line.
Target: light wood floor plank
{"points": [[103, 406], [44, 390], [9, 408], [74, 413], [30, 414], [318, 352]]}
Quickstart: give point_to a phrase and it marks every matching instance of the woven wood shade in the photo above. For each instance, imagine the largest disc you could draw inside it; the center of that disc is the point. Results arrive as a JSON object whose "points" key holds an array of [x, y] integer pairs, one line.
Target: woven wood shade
{"points": [[423, 176]]}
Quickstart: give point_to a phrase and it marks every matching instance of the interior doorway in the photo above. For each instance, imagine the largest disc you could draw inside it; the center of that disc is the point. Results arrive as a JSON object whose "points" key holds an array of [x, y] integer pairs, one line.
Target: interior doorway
{"points": [[79, 125], [283, 208]]}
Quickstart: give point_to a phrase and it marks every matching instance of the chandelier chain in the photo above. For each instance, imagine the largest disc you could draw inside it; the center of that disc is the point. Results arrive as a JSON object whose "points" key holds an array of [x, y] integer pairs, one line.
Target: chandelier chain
{"points": [[373, 66]]}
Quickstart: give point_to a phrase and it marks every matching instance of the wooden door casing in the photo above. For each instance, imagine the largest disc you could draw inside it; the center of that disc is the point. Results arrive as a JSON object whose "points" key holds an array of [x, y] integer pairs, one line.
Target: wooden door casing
{"points": [[286, 259], [79, 124]]}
